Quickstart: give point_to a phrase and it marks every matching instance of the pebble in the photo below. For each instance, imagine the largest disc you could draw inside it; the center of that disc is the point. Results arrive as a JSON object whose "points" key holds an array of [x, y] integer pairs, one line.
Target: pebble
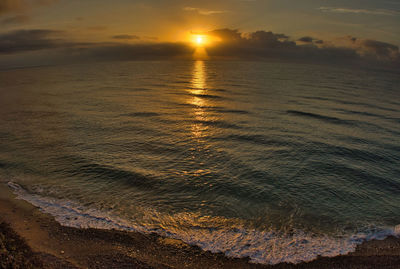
{"points": [[62, 252]]}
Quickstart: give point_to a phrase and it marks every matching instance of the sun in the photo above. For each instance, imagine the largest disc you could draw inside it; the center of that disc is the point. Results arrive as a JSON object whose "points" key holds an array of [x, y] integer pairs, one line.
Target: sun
{"points": [[199, 40], [202, 40]]}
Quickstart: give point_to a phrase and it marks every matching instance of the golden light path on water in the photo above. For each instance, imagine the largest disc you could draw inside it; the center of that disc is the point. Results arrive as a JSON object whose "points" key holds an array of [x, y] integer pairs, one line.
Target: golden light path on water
{"points": [[198, 88]]}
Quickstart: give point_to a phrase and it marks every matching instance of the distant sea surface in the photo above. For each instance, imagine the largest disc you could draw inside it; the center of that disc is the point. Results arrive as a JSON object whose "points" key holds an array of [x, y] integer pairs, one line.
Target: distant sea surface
{"points": [[277, 162]]}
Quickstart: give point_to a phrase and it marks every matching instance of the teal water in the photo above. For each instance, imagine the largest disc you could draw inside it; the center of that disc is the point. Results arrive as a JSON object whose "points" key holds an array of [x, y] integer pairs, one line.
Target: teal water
{"points": [[277, 162]]}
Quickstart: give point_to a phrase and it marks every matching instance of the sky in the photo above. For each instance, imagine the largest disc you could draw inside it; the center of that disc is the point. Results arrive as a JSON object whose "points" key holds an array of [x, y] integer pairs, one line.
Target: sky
{"points": [[364, 26]]}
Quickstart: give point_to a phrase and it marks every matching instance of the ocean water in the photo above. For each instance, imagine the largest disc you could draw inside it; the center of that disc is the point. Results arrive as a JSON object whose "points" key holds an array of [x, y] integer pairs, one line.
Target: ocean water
{"points": [[277, 162]]}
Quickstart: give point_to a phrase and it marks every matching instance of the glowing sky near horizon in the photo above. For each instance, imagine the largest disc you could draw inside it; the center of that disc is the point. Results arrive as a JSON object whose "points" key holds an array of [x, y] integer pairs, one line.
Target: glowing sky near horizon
{"points": [[151, 20]]}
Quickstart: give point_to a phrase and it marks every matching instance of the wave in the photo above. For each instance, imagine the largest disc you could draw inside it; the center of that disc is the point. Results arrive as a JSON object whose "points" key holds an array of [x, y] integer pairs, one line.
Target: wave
{"points": [[353, 123], [216, 123], [104, 172], [258, 139], [214, 234], [319, 117], [206, 96], [217, 109], [231, 111], [209, 89], [142, 114], [346, 102], [353, 153], [368, 114], [181, 81], [197, 106]]}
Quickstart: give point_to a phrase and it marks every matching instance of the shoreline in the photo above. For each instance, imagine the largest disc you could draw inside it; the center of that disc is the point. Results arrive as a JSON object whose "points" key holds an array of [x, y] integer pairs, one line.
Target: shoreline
{"points": [[56, 246]]}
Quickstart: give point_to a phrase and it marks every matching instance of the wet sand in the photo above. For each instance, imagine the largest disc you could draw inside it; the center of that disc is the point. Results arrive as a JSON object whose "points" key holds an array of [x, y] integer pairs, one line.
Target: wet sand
{"points": [[32, 239]]}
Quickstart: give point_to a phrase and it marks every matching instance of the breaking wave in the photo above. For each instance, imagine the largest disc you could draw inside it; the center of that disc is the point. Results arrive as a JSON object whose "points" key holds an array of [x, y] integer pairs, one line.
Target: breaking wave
{"points": [[215, 234]]}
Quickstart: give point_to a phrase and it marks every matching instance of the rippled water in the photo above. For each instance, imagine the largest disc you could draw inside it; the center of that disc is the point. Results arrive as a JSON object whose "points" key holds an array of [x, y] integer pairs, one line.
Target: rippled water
{"points": [[278, 162]]}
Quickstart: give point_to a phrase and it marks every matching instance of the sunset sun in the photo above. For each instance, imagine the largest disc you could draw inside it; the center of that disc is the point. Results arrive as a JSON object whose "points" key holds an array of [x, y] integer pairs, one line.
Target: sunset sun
{"points": [[199, 40]]}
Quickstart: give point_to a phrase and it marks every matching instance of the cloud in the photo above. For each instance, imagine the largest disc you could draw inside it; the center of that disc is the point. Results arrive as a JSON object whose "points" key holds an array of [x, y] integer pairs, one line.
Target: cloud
{"points": [[126, 37], [144, 51], [30, 40], [26, 41], [227, 35], [258, 38], [367, 48], [269, 45], [17, 19], [385, 12], [20, 6], [205, 12], [270, 39], [258, 45], [381, 49], [306, 39], [233, 35]]}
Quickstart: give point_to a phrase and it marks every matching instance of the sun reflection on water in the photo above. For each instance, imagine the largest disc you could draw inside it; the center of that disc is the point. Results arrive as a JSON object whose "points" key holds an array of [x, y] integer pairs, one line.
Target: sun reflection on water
{"points": [[198, 88], [199, 78]]}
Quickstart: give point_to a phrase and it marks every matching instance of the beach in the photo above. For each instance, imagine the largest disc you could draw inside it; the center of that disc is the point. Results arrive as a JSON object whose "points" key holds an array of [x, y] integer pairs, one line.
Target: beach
{"points": [[50, 245]]}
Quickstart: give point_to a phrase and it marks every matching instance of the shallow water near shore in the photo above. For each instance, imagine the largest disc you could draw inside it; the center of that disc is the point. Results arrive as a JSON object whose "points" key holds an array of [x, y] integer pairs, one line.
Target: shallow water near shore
{"points": [[280, 164]]}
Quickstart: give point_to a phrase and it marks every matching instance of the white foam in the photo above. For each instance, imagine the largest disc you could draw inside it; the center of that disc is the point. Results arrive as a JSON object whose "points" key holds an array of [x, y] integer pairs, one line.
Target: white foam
{"points": [[71, 214], [268, 247], [396, 230]]}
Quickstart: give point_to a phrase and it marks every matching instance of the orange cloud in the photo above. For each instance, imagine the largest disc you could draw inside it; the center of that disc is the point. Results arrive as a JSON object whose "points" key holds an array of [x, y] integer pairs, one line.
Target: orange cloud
{"points": [[205, 12]]}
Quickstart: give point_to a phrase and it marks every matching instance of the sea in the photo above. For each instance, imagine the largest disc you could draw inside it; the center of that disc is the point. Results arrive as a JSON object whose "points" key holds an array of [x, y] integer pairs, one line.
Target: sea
{"points": [[277, 162]]}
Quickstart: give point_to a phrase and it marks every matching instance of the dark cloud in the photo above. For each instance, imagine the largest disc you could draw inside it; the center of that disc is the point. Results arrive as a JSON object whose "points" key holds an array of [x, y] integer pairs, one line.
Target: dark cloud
{"points": [[267, 37], [367, 48], [382, 50], [233, 44], [269, 40], [126, 37], [236, 43], [306, 39], [118, 51], [45, 40], [259, 44], [227, 35], [262, 44], [28, 40], [272, 46], [17, 19]]}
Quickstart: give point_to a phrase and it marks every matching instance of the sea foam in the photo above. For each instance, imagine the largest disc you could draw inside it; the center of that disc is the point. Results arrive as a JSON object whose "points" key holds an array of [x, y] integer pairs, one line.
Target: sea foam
{"points": [[267, 247]]}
